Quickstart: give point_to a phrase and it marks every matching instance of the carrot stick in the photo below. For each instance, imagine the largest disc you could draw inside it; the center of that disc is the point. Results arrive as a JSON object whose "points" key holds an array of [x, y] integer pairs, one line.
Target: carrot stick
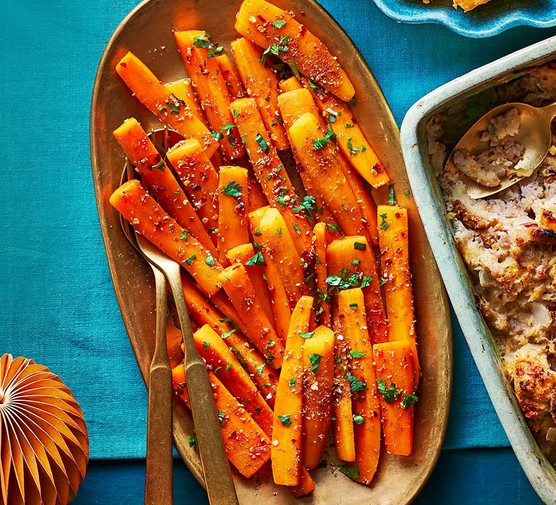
{"points": [[396, 387], [239, 288], [183, 90], [270, 172], [350, 137], [174, 342], [197, 53], [203, 312], [276, 240], [233, 225], [257, 197], [254, 263], [261, 83], [289, 84], [159, 180], [230, 77], [227, 368], [149, 219], [321, 270], [311, 146], [155, 97], [263, 23], [394, 254], [352, 263], [306, 484], [318, 385], [287, 427], [247, 446], [365, 402], [199, 178]]}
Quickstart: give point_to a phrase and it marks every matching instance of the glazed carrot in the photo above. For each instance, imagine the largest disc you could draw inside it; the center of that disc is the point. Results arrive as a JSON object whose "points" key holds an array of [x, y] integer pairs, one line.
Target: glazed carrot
{"points": [[230, 76], [279, 296], [246, 444], [287, 428], [203, 312], [239, 288], [254, 263], [318, 385], [224, 364], [321, 271], [197, 53], [276, 239], [306, 484], [159, 180], [257, 197], [270, 172], [149, 219], [174, 342], [396, 387], [319, 157], [350, 137], [199, 178], [289, 84], [261, 83], [394, 254], [342, 409], [365, 402], [233, 225], [353, 263], [155, 97], [263, 23], [183, 90]]}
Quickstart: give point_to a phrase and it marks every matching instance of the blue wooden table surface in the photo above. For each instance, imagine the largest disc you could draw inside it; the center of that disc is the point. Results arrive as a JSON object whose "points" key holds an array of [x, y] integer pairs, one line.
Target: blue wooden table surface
{"points": [[57, 303]]}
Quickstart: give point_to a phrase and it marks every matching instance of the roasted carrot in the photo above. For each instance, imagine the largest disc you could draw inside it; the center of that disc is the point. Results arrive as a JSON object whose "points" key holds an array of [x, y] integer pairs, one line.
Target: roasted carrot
{"points": [[287, 428], [280, 34], [270, 172], [321, 271], [247, 446], [396, 387], [320, 159], [183, 90], [159, 180], [199, 178], [276, 240], [230, 76], [306, 484], [169, 109], [261, 83], [257, 197], [203, 312], [365, 402], [350, 137], [149, 219], [289, 84], [394, 254], [318, 385], [198, 55], [352, 263], [239, 288], [224, 364], [254, 263], [233, 225]]}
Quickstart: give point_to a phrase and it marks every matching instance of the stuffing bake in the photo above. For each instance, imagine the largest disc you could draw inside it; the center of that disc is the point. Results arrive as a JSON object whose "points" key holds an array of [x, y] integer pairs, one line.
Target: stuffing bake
{"points": [[508, 242]]}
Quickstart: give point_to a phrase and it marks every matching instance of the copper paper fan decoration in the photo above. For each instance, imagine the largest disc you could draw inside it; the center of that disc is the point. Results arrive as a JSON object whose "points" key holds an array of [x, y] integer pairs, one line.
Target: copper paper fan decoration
{"points": [[44, 447]]}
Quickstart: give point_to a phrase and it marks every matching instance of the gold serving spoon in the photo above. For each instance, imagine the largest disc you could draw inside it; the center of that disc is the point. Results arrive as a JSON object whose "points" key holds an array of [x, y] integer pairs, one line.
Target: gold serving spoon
{"points": [[218, 479], [534, 135]]}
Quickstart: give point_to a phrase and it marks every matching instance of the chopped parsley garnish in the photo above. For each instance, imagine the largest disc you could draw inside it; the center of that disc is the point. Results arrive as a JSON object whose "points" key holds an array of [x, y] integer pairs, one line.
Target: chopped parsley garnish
{"points": [[260, 368], [384, 225], [352, 471], [256, 260], [232, 188], [217, 135], [293, 66], [202, 41], [192, 440], [359, 246], [356, 385], [206, 346], [228, 366], [228, 128], [209, 260], [356, 354], [359, 420], [158, 166], [349, 125], [320, 143], [263, 144], [353, 306], [346, 281], [221, 418], [409, 400], [313, 86], [226, 334], [184, 235], [307, 334], [406, 192], [309, 203], [292, 382], [191, 259], [391, 195], [279, 23], [352, 150], [174, 108], [285, 419], [353, 102], [355, 262], [276, 48], [235, 113], [390, 393], [315, 362]]}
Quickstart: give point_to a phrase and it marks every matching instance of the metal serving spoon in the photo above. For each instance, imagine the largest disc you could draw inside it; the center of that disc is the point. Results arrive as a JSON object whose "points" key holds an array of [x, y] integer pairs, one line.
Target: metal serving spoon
{"points": [[218, 479], [534, 135]]}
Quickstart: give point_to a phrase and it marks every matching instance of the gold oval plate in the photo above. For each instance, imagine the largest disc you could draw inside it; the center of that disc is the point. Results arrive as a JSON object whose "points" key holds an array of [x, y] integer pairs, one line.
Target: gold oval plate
{"points": [[148, 32]]}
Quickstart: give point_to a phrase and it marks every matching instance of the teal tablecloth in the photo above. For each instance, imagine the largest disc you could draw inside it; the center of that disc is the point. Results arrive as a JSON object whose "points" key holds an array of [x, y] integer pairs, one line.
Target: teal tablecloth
{"points": [[57, 303]]}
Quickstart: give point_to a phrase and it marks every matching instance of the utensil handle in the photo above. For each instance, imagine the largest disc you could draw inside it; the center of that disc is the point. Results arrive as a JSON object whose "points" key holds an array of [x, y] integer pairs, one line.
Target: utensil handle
{"points": [[159, 463], [218, 478]]}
